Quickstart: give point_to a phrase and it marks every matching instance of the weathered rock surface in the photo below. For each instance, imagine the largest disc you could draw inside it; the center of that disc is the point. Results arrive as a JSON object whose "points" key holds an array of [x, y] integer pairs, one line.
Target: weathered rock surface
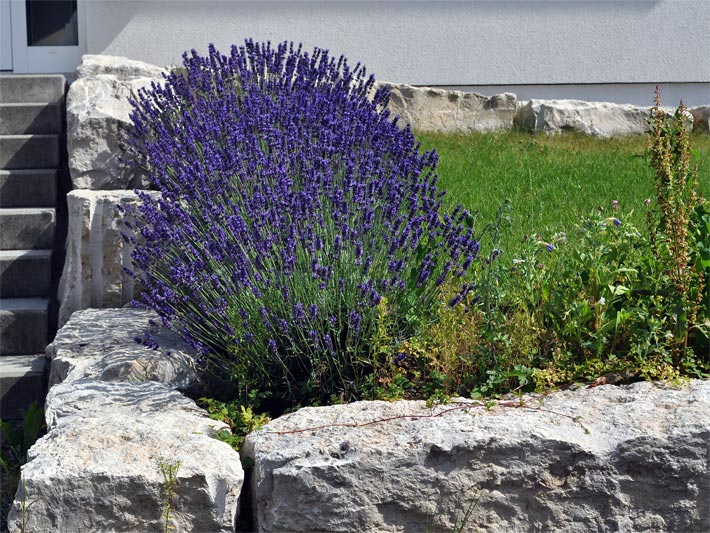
{"points": [[113, 418], [641, 465], [599, 119], [432, 109], [93, 274], [121, 67], [701, 118], [101, 345], [98, 119]]}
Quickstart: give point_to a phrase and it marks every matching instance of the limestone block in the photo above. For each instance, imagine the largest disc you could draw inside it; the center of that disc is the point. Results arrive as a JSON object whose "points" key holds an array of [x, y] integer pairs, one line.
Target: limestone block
{"points": [[636, 459], [432, 109], [96, 254], [99, 466], [121, 67], [100, 345], [599, 119], [98, 120], [701, 118]]}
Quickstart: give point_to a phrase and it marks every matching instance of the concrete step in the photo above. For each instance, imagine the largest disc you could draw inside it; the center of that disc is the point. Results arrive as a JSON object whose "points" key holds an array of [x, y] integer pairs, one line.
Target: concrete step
{"points": [[27, 228], [23, 380], [23, 325], [16, 89], [29, 151], [28, 188], [30, 118], [25, 273]]}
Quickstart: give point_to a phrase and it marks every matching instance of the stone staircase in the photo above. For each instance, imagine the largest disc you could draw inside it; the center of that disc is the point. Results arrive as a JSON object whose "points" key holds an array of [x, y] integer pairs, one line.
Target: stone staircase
{"points": [[31, 136]]}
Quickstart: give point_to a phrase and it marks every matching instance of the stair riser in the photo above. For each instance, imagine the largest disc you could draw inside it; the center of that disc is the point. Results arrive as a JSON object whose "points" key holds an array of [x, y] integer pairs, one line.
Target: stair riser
{"points": [[31, 89], [27, 231], [16, 119], [23, 331], [25, 277], [29, 151], [23, 380], [28, 188]]}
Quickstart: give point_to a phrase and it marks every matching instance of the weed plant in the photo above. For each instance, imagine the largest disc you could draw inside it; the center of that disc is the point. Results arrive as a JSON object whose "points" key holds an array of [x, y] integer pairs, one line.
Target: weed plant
{"points": [[17, 442], [169, 468], [604, 299]]}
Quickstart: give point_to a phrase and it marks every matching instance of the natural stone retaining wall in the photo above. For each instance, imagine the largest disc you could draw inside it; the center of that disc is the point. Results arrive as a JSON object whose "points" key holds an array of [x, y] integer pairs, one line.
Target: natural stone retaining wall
{"points": [[598, 119], [590, 118], [113, 415], [96, 254], [431, 109], [632, 458], [98, 119]]}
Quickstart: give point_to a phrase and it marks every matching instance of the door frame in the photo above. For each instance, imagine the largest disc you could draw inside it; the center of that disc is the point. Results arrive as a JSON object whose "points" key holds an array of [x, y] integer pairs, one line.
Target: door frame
{"points": [[5, 36], [44, 59]]}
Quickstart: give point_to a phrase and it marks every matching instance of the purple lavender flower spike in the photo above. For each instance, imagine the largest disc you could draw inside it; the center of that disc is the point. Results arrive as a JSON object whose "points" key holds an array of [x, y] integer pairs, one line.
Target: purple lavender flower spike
{"points": [[291, 203]]}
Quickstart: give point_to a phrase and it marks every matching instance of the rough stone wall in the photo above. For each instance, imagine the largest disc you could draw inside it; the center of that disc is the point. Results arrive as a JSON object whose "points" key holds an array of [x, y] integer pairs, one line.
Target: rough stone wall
{"points": [[98, 120], [609, 458], [597, 119], [113, 417], [431, 109], [630, 458], [96, 253]]}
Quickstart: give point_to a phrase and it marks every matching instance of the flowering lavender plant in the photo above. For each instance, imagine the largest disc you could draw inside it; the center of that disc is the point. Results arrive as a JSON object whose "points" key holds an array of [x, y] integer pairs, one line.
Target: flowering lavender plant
{"points": [[291, 204]]}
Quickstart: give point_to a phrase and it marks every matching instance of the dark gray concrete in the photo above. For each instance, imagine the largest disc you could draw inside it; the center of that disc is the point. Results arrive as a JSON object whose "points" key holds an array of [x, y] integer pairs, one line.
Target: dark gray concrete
{"points": [[41, 88], [31, 124], [27, 228], [16, 119], [23, 380], [28, 188], [25, 273], [29, 151], [23, 325]]}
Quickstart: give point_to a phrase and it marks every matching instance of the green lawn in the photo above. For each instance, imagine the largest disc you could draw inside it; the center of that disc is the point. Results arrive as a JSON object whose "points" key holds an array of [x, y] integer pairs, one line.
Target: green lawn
{"points": [[550, 180]]}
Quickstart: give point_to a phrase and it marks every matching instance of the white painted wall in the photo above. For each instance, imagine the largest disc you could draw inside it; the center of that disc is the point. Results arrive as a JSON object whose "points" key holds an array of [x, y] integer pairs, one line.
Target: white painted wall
{"points": [[529, 43]]}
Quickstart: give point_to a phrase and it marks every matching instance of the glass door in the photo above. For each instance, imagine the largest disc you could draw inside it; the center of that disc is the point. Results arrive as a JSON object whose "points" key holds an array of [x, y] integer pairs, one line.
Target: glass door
{"points": [[47, 35]]}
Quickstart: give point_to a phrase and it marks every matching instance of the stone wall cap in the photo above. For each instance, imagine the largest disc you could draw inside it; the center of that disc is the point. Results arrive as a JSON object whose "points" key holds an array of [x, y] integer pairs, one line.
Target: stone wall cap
{"points": [[122, 67]]}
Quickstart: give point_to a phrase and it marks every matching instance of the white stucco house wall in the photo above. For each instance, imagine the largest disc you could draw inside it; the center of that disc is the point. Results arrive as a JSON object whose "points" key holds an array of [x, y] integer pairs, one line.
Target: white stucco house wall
{"points": [[608, 50]]}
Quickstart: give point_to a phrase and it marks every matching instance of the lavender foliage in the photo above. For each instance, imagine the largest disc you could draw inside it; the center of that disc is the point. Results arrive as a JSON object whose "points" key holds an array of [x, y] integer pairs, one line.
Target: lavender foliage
{"points": [[291, 204]]}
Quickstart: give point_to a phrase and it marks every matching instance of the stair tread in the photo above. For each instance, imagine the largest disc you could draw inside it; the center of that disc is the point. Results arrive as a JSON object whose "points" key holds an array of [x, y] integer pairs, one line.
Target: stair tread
{"points": [[32, 88], [26, 171], [15, 254], [30, 150], [28, 135], [26, 104], [18, 365], [24, 210], [23, 304]]}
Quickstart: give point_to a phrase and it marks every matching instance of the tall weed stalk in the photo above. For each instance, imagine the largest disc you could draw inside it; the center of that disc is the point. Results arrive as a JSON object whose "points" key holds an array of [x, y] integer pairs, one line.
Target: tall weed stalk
{"points": [[675, 222]]}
